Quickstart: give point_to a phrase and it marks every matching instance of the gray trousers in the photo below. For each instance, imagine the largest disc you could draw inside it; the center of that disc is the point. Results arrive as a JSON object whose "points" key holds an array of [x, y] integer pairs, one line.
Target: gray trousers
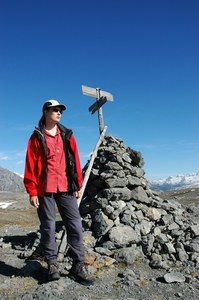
{"points": [[69, 212]]}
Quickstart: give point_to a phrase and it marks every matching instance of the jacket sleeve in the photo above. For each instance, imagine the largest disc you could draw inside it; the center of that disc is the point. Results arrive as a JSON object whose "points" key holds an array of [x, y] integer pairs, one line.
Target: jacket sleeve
{"points": [[74, 148], [31, 170]]}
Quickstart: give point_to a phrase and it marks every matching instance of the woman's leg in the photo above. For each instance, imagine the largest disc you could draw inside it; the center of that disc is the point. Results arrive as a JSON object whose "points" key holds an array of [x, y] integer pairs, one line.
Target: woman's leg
{"points": [[46, 213], [69, 211]]}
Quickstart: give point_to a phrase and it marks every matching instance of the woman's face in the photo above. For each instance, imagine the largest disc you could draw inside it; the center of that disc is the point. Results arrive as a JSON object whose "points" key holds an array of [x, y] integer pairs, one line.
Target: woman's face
{"points": [[53, 114]]}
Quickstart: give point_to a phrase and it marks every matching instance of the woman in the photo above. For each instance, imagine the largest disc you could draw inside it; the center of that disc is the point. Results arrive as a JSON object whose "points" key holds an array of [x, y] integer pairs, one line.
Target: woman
{"points": [[53, 176]]}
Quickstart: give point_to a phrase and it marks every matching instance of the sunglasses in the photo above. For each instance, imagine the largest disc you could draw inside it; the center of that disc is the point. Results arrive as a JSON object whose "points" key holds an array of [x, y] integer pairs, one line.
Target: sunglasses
{"points": [[58, 109]]}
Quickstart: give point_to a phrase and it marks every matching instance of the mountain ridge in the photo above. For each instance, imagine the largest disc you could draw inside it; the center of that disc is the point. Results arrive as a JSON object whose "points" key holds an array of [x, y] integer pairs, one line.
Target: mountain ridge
{"points": [[175, 182], [10, 182]]}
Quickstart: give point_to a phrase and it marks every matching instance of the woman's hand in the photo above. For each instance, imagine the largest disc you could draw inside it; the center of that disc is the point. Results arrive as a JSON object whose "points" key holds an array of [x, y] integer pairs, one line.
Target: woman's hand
{"points": [[34, 201], [78, 194]]}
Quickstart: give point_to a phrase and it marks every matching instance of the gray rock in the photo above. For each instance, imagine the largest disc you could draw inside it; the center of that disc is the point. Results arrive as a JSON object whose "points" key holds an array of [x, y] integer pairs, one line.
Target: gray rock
{"points": [[153, 214], [128, 255], [181, 253], [134, 181], [102, 223], [193, 245], [116, 182], [123, 235], [169, 248], [195, 229], [167, 219], [162, 238], [174, 277], [140, 195], [173, 226], [145, 227], [112, 166]]}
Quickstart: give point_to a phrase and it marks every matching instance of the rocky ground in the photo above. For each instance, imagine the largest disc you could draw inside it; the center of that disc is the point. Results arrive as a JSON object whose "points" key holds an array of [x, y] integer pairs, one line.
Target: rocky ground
{"points": [[186, 196], [21, 280]]}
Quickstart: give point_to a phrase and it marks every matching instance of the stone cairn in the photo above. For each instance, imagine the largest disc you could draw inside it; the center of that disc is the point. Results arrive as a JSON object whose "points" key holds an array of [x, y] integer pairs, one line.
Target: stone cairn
{"points": [[125, 221]]}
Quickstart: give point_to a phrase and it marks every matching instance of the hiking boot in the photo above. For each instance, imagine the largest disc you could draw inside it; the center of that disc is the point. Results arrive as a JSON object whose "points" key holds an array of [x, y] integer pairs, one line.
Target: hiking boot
{"points": [[53, 272], [38, 255], [79, 273]]}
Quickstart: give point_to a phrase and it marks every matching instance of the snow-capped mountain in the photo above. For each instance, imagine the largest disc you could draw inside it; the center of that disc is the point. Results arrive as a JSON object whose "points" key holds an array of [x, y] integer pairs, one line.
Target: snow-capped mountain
{"points": [[9, 181], [174, 182], [20, 175]]}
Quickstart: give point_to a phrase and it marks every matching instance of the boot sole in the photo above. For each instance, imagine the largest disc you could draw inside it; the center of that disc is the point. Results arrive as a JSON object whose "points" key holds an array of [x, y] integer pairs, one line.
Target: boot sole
{"points": [[53, 277], [80, 279]]}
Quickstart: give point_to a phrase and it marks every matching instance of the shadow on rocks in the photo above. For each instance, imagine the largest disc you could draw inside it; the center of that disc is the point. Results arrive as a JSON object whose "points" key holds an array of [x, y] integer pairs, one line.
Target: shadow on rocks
{"points": [[35, 270], [8, 270], [20, 241], [31, 269], [161, 280]]}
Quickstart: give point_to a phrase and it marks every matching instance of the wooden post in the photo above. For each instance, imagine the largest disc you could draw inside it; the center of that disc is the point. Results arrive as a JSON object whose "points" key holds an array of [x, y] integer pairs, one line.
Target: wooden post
{"points": [[88, 171], [63, 244], [62, 247], [100, 115]]}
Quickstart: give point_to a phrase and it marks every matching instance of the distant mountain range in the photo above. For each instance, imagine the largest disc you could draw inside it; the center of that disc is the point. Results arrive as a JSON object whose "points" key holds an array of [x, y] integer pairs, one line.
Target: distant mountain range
{"points": [[174, 182], [13, 182]]}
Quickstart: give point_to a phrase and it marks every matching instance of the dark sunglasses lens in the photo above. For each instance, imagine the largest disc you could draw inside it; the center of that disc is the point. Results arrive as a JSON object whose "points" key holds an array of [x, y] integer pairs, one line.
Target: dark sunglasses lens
{"points": [[56, 110]]}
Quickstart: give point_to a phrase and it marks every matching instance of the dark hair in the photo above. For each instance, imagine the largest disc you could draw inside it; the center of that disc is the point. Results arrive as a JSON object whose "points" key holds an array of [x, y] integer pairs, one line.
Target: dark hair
{"points": [[42, 121], [46, 106]]}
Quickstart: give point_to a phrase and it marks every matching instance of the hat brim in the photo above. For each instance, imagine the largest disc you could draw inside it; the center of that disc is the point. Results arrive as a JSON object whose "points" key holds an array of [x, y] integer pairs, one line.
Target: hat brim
{"points": [[62, 106]]}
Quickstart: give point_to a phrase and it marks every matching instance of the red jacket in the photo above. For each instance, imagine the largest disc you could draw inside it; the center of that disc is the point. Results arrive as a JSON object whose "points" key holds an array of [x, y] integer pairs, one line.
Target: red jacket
{"points": [[35, 174]]}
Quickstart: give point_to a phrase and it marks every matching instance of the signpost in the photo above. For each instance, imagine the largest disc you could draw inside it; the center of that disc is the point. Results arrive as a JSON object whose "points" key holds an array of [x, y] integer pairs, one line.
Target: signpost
{"points": [[101, 98]]}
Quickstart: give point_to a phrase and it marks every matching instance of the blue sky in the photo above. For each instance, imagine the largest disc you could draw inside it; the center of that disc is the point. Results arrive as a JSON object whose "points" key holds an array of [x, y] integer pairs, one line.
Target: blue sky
{"points": [[143, 52]]}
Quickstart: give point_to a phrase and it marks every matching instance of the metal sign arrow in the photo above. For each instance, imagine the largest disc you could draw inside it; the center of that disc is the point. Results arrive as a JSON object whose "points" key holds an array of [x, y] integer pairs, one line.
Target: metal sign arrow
{"points": [[93, 92], [95, 106]]}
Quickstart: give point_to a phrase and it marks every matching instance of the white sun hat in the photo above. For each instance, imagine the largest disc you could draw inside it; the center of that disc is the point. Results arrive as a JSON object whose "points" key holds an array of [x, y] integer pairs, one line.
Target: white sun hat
{"points": [[52, 103]]}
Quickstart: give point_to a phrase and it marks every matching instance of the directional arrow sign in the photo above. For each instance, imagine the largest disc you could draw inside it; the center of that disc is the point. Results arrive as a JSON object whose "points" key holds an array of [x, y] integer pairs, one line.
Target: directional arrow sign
{"points": [[95, 106], [88, 91]]}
